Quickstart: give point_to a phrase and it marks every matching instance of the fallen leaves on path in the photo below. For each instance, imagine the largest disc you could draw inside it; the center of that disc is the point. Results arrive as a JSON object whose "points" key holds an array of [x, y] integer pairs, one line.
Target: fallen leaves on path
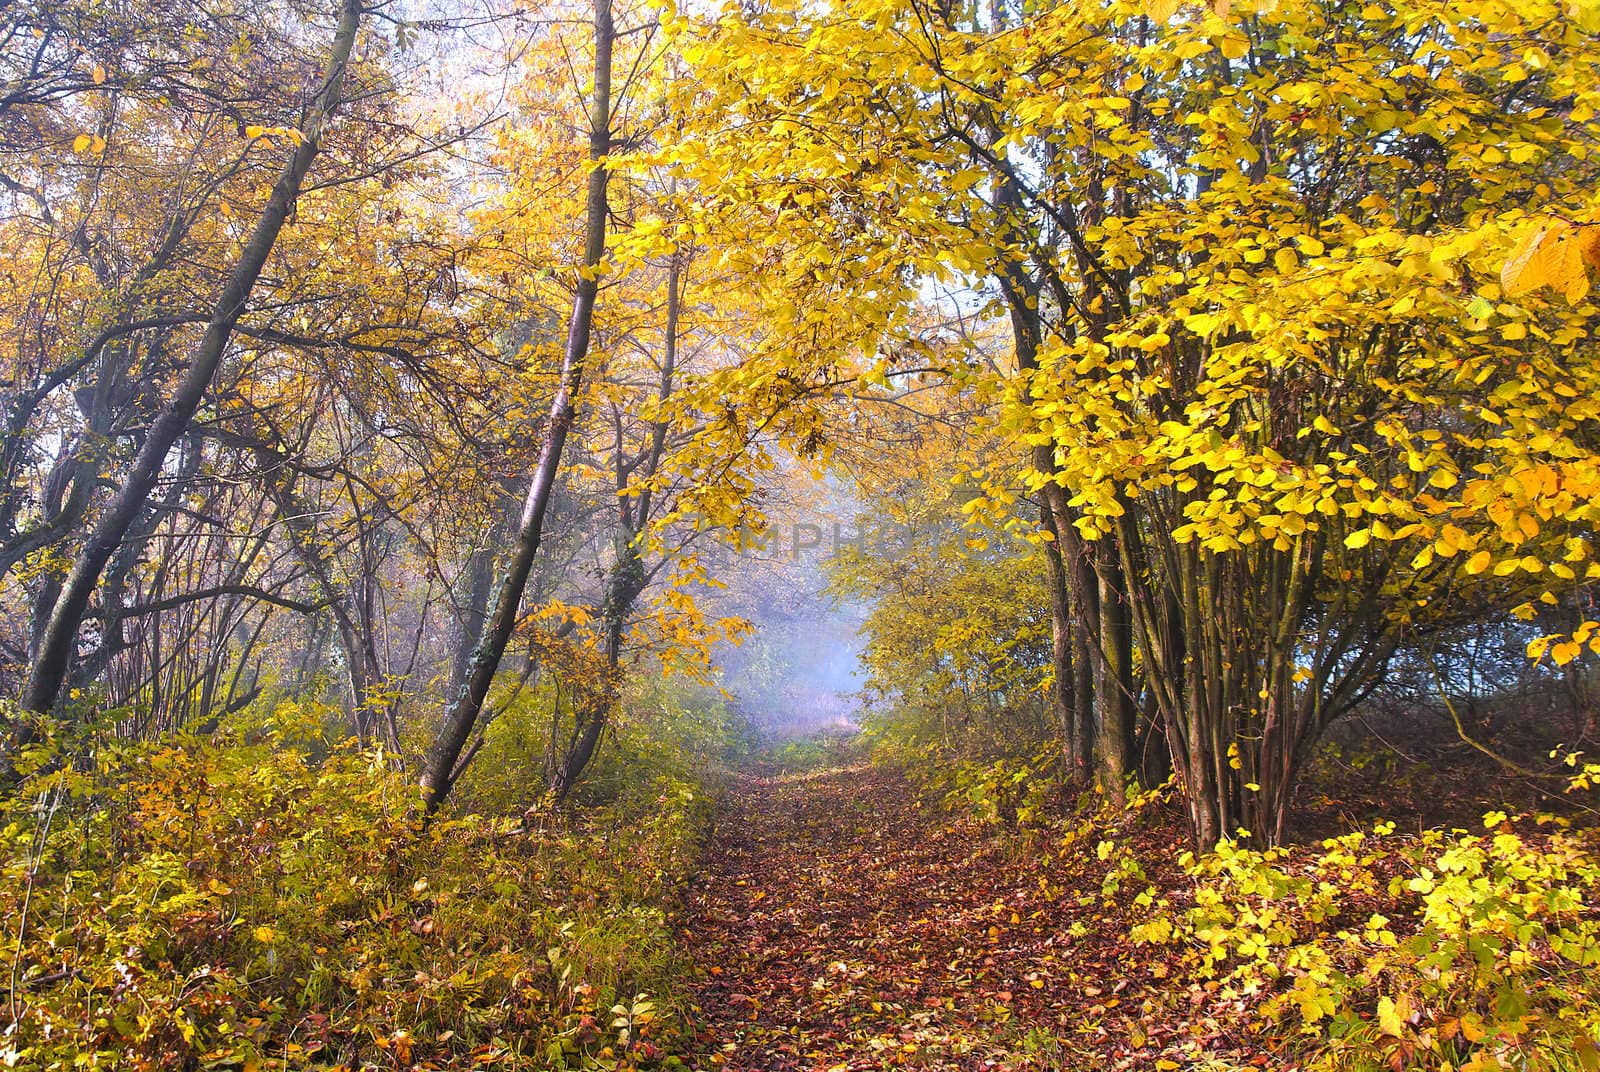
{"points": [[841, 926]]}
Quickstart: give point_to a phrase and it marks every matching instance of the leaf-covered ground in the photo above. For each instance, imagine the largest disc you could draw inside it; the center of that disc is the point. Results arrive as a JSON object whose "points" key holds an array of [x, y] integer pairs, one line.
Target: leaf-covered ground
{"points": [[840, 926]]}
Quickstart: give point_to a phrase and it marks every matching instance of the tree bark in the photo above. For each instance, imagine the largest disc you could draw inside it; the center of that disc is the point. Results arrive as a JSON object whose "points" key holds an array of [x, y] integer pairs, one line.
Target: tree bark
{"points": [[627, 581], [440, 772], [60, 637], [1064, 680], [1114, 686], [474, 612]]}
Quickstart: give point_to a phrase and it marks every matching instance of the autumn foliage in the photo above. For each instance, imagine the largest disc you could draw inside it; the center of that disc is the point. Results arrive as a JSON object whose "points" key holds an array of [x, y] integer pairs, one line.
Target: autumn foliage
{"points": [[396, 410]]}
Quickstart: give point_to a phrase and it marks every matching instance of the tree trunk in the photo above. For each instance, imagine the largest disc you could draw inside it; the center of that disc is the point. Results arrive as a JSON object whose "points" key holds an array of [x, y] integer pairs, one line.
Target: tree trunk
{"points": [[1082, 757], [60, 637], [1114, 686], [622, 590], [627, 581], [1074, 601], [475, 611], [440, 772], [1064, 679]]}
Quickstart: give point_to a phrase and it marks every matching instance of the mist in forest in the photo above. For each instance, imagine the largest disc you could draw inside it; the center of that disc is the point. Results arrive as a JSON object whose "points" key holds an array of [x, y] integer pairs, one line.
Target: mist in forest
{"points": [[796, 673]]}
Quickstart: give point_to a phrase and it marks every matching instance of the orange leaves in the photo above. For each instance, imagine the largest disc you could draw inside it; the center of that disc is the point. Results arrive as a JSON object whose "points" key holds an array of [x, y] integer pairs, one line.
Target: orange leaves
{"points": [[1563, 649], [293, 136], [1161, 11], [1557, 254]]}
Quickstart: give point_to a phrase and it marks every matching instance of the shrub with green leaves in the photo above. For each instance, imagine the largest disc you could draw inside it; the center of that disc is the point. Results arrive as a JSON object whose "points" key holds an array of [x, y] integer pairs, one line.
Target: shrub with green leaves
{"points": [[1449, 950], [264, 896]]}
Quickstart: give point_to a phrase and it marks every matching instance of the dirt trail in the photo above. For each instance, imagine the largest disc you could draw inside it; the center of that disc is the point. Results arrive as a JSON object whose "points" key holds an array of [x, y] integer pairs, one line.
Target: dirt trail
{"points": [[841, 927]]}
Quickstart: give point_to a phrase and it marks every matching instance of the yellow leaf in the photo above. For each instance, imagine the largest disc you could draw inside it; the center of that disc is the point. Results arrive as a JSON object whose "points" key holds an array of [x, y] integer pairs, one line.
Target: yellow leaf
{"points": [[1235, 46], [1571, 277], [99, 74], [1535, 261], [1514, 273], [1358, 539], [1588, 240], [1564, 652], [1392, 1016], [254, 131], [1160, 11], [81, 142], [1285, 261], [1478, 562]]}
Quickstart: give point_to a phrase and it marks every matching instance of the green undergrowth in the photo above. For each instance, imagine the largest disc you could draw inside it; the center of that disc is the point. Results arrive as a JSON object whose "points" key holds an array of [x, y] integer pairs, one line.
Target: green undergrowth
{"points": [[813, 752], [262, 898], [1017, 790], [1448, 950], [1451, 950]]}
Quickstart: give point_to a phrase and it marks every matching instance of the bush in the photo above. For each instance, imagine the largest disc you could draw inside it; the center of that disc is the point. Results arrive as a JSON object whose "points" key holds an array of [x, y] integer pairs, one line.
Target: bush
{"points": [[1444, 951], [227, 901]]}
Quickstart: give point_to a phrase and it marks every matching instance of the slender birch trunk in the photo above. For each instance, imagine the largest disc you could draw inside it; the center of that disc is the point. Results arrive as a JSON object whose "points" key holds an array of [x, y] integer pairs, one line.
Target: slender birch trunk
{"points": [[440, 772], [59, 640]]}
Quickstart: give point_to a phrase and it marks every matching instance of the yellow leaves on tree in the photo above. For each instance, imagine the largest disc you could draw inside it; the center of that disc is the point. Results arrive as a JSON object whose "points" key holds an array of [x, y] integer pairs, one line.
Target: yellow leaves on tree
{"points": [[1557, 254], [1261, 341]]}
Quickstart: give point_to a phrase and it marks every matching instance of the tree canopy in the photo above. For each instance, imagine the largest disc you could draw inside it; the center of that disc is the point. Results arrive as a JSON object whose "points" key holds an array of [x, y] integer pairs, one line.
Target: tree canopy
{"points": [[407, 405]]}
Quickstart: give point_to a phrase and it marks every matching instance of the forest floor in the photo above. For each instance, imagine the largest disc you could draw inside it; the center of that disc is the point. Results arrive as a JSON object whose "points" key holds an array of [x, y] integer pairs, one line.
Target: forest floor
{"points": [[842, 923], [839, 926]]}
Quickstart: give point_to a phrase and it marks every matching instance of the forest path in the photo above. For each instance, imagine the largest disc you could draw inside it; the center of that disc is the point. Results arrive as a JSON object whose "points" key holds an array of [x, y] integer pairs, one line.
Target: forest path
{"points": [[839, 926]]}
